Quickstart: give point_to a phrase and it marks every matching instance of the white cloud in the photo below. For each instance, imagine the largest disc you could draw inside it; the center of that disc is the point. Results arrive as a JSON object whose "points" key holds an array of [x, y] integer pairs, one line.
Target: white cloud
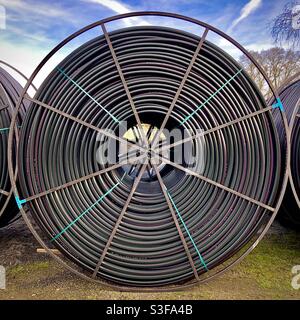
{"points": [[31, 20], [40, 9], [26, 58], [113, 5], [259, 46], [38, 36], [120, 8], [247, 9], [228, 47], [236, 53]]}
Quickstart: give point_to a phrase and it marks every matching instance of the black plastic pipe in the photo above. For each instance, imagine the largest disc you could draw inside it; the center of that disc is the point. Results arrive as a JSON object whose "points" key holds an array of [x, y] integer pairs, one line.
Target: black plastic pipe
{"points": [[147, 250], [289, 93], [10, 91]]}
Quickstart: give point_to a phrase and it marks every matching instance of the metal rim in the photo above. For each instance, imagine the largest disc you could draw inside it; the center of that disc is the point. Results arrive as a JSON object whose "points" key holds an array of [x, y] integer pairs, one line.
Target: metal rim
{"points": [[6, 193], [291, 176], [12, 107], [289, 82], [14, 132]]}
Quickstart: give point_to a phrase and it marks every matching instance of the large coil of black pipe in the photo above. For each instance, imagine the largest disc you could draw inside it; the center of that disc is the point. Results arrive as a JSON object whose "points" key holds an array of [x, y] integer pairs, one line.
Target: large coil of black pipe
{"points": [[290, 98], [146, 224], [10, 91]]}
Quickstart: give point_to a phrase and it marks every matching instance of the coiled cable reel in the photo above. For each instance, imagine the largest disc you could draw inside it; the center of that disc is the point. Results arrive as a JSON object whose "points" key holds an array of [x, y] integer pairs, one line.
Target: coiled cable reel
{"points": [[10, 91], [145, 231]]}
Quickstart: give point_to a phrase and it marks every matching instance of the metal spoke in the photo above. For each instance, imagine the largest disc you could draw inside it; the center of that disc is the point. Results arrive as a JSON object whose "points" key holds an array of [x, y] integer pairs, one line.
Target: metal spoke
{"points": [[4, 192], [135, 130], [87, 94], [149, 132], [115, 229], [19, 72], [222, 126], [4, 107], [184, 243], [127, 154], [219, 185], [84, 178], [86, 124], [136, 115], [188, 70], [103, 196], [211, 97]]}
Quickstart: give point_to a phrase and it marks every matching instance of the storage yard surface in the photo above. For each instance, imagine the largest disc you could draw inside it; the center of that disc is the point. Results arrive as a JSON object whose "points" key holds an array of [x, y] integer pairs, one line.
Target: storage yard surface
{"points": [[265, 274]]}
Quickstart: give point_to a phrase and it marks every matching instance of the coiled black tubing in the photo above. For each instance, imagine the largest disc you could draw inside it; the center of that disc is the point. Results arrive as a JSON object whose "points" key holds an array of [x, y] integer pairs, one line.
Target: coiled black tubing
{"points": [[290, 97], [10, 91], [147, 250]]}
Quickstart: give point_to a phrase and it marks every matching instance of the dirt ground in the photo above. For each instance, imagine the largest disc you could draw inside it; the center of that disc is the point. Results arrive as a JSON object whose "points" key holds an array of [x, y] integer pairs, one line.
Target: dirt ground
{"points": [[264, 274]]}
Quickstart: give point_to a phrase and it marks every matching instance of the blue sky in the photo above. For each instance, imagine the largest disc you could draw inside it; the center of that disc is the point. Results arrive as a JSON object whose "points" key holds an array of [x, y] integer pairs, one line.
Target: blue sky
{"points": [[34, 27]]}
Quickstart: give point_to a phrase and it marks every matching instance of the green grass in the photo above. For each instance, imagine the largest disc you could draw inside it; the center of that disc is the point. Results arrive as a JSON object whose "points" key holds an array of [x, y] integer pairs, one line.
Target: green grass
{"points": [[263, 274], [25, 269], [270, 264]]}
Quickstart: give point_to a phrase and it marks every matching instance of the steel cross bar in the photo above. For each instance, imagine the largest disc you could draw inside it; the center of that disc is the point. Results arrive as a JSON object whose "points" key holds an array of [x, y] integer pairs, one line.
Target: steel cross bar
{"points": [[116, 61], [221, 126], [219, 185], [187, 73], [115, 229], [184, 243], [86, 124], [84, 178], [4, 192]]}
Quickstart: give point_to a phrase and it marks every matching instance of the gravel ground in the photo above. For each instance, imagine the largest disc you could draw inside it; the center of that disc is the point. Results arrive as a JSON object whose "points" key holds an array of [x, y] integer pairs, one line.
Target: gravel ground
{"points": [[18, 245], [264, 274]]}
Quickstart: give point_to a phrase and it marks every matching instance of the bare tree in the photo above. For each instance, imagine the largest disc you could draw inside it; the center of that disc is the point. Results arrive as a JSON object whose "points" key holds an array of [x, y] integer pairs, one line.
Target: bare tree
{"points": [[279, 65], [285, 28]]}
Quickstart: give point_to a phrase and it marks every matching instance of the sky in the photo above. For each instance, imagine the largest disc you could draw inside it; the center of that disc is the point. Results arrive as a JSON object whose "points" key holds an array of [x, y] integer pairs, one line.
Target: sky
{"points": [[29, 29]]}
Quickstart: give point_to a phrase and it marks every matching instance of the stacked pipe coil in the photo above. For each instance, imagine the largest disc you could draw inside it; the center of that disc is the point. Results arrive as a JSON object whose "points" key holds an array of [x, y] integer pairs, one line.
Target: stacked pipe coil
{"points": [[177, 223], [290, 97], [10, 91]]}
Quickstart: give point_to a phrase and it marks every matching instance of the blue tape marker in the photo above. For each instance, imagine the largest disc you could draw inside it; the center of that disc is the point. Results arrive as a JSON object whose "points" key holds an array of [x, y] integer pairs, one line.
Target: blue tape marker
{"points": [[7, 129], [20, 202], [187, 231], [87, 210], [278, 105], [212, 96], [86, 93]]}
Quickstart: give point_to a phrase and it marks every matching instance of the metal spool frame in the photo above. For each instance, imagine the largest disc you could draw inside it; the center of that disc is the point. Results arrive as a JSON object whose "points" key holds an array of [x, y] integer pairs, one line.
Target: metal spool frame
{"points": [[293, 113], [11, 107], [14, 133]]}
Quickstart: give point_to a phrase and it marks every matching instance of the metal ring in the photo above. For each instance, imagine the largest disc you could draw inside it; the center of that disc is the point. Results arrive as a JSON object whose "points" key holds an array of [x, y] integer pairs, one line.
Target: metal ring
{"points": [[274, 189], [10, 91], [289, 93]]}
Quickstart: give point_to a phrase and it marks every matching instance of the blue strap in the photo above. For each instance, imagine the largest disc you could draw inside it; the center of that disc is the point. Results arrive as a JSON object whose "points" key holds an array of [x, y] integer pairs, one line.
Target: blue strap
{"points": [[86, 93], [20, 202], [7, 129], [278, 105], [213, 95], [187, 231], [88, 209]]}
